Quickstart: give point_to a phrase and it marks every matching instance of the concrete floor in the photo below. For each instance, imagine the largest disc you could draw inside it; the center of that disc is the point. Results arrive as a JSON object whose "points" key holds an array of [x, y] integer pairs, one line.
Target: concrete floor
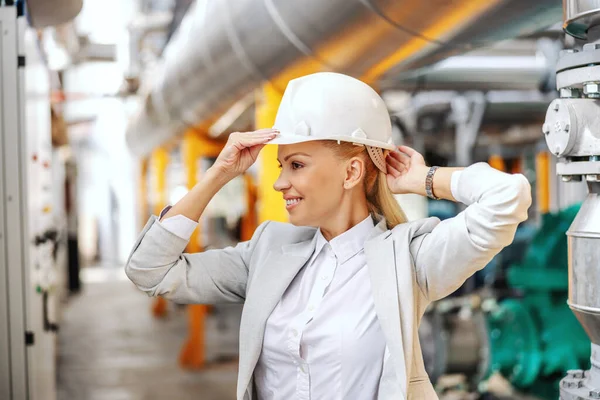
{"points": [[111, 348]]}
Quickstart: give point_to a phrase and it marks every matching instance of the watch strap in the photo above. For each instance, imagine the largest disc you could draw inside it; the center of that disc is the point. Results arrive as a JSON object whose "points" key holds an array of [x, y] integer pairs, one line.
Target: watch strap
{"points": [[429, 183]]}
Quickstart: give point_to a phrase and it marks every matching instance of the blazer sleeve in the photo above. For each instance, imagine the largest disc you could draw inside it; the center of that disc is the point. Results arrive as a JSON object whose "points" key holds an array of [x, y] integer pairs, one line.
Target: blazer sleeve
{"points": [[456, 248], [158, 266]]}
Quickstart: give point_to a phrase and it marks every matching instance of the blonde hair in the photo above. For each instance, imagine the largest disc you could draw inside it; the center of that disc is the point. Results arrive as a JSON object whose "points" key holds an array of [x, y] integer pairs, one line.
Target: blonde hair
{"points": [[380, 199]]}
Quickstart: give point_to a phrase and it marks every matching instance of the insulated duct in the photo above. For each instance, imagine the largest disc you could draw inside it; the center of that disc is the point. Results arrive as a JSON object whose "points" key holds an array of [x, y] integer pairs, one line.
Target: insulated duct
{"points": [[225, 50], [518, 65]]}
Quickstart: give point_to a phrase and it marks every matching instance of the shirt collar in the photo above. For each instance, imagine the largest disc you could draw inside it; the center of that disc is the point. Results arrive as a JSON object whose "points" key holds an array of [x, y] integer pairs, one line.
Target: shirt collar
{"points": [[349, 243]]}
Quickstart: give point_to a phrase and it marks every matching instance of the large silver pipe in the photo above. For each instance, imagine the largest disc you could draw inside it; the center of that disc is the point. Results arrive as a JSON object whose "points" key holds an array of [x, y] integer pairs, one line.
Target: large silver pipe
{"points": [[578, 147], [476, 73], [579, 16], [584, 264], [225, 51], [520, 66]]}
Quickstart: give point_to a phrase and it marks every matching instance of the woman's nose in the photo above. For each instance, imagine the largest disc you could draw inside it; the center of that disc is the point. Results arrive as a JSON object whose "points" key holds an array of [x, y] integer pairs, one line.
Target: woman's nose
{"points": [[281, 183]]}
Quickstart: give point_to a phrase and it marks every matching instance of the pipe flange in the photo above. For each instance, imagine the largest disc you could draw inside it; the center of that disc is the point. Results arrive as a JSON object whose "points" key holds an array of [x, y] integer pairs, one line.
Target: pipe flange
{"points": [[572, 58], [560, 127], [577, 385], [577, 77]]}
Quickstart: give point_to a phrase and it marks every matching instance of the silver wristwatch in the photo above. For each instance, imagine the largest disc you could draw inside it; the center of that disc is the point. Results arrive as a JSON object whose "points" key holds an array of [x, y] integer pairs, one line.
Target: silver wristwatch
{"points": [[429, 183]]}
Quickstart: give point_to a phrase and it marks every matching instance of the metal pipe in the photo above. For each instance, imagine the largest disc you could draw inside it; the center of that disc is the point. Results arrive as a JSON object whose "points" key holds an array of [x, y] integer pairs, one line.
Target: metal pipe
{"points": [[503, 106], [140, 27], [579, 16], [573, 138], [505, 20], [517, 65], [476, 73], [584, 264], [221, 53]]}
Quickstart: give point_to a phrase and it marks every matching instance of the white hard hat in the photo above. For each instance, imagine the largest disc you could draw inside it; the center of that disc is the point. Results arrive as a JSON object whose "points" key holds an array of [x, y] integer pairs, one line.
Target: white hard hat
{"points": [[332, 106]]}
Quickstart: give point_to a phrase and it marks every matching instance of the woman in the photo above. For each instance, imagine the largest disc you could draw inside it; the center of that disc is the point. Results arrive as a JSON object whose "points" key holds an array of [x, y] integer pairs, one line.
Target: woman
{"points": [[333, 300]]}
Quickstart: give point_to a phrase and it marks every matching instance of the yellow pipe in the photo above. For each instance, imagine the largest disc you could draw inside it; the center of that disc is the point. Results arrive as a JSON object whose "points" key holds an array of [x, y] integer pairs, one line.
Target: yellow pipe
{"points": [[272, 206], [542, 168]]}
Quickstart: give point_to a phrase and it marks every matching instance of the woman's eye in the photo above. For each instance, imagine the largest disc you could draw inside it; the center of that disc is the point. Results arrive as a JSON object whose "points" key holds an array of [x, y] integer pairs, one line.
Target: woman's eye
{"points": [[279, 166], [296, 165]]}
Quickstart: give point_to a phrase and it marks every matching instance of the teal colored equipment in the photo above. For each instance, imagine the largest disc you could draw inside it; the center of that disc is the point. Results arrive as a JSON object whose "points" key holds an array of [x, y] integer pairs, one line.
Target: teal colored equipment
{"points": [[535, 338]]}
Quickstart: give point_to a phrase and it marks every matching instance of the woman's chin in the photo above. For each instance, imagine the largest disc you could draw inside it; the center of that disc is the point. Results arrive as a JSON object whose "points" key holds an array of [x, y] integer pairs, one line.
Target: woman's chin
{"points": [[297, 220]]}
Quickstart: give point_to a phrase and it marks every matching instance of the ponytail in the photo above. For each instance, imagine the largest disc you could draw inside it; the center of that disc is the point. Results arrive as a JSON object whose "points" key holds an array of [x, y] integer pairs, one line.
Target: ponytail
{"points": [[381, 201]]}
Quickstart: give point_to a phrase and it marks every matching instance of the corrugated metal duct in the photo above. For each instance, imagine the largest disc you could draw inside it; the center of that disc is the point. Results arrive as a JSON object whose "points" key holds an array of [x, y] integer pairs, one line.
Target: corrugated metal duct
{"points": [[224, 50]]}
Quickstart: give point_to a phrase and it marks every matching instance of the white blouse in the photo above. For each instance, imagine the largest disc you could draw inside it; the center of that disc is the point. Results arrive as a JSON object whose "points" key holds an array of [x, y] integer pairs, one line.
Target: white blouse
{"points": [[323, 339]]}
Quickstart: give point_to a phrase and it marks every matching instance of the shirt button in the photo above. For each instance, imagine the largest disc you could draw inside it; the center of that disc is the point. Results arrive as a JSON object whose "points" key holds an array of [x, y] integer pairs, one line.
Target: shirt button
{"points": [[294, 332], [311, 308], [302, 369], [324, 277]]}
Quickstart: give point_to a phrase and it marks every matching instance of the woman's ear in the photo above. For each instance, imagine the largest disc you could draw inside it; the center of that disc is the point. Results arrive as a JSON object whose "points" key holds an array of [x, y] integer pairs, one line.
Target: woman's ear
{"points": [[355, 170]]}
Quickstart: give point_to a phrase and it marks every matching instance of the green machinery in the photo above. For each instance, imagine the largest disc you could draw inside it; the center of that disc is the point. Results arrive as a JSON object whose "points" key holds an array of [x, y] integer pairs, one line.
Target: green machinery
{"points": [[528, 335], [535, 339]]}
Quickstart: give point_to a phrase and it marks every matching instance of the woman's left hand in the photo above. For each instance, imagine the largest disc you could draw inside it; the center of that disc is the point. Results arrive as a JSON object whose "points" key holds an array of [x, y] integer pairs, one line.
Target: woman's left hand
{"points": [[406, 171]]}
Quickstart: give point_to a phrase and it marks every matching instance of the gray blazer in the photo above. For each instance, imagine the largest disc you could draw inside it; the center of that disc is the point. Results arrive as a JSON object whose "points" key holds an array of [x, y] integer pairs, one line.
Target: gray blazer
{"points": [[410, 266]]}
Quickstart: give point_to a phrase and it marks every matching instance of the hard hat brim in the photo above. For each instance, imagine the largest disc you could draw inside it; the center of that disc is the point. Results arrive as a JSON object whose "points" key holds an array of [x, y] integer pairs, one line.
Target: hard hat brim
{"points": [[294, 139]]}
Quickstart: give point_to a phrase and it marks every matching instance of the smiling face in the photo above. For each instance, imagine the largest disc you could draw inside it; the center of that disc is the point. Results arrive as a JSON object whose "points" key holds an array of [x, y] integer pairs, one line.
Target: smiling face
{"points": [[313, 182]]}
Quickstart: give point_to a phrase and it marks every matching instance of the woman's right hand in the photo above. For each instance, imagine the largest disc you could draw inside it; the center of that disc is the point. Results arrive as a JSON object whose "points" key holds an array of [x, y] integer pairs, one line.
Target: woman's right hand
{"points": [[241, 151]]}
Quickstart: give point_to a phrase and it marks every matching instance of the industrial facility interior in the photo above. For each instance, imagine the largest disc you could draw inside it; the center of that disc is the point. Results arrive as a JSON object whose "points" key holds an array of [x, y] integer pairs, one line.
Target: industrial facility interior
{"points": [[111, 110]]}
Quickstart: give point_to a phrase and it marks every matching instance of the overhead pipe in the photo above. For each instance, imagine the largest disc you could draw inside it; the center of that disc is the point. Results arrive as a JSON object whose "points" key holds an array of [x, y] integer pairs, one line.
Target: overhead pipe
{"points": [[140, 28], [501, 106], [221, 53], [502, 20], [490, 69]]}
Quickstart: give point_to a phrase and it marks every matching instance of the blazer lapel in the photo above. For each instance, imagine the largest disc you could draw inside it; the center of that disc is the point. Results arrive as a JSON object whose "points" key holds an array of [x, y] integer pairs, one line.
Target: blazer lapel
{"points": [[268, 284], [381, 260]]}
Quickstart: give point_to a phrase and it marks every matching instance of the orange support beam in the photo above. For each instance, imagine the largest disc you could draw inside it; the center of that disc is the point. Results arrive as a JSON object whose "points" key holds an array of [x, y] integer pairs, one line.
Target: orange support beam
{"points": [[542, 168], [195, 146], [192, 355], [143, 192], [497, 162], [250, 220], [272, 205], [159, 160]]}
